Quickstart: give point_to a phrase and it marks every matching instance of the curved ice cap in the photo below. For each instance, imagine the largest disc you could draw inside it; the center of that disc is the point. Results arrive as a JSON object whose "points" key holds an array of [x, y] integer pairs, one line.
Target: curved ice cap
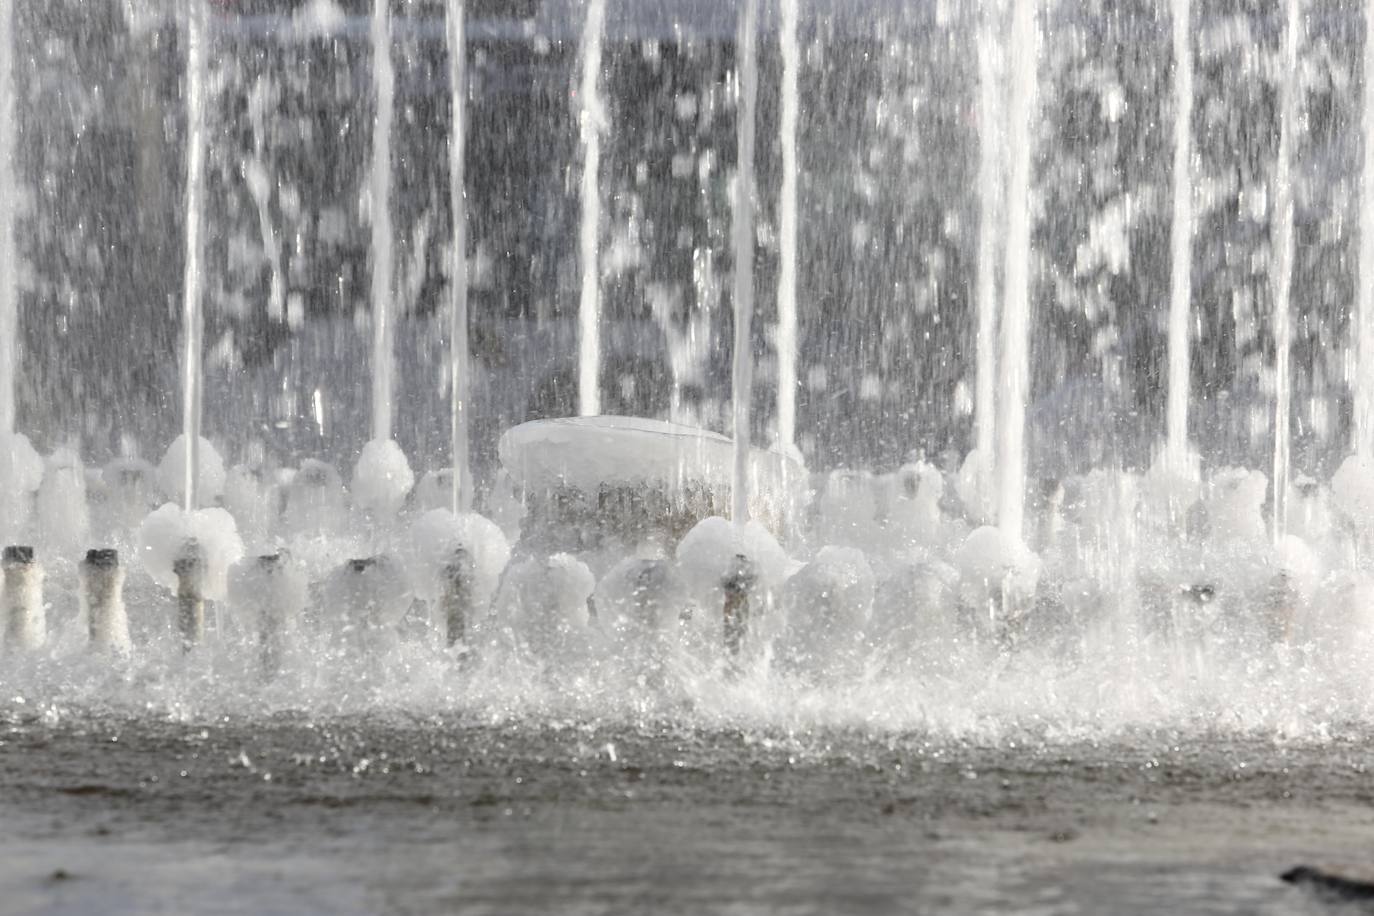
{"points": [[370, 592], [166, 529], [437, 535], [543, 602], [990, 561], [826, 606], [382, 478], [710, 550], [210, 475], [642, 598]]}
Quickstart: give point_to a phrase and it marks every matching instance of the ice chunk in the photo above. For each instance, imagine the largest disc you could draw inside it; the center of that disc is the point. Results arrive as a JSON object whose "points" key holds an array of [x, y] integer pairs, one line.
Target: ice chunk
{"points": [[437, 535], [166, 529], [171, 473], [382, 478]]}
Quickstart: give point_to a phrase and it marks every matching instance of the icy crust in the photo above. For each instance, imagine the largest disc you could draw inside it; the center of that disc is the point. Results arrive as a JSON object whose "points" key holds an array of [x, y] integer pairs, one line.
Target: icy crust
{"points": [[589, 453]]}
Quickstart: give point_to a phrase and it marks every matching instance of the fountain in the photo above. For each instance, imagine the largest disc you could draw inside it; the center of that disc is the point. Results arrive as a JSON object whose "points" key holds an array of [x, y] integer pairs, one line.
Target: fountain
{"points": [[787, 227], [1027, 238], [459, 382], [742, 230], [1014, 361], [193, 327], [591, 118], [1181, 241], [382, 253], [1282, 275]]}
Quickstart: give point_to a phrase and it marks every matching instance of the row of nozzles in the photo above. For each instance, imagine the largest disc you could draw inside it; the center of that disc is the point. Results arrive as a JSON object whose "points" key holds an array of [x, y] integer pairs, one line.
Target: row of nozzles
{"points": [[102, 600], [272, 593]]}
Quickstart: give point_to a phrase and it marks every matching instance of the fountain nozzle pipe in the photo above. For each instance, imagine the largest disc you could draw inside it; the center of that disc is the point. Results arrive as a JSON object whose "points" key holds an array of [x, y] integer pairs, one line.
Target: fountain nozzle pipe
{"points": [[456, 599], [102, 594], [189, 567], [738, 584], [22, 600]]}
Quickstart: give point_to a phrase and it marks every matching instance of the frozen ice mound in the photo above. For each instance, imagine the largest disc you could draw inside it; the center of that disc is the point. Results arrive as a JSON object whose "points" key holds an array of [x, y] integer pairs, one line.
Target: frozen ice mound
{"points": [[991, 562], [438, 534], [166, 530], [382, 478], [586, 453], [210, 474], [368, 593], [542, 603], [642, 599], [710, 550], [826, 607], [271, 585]]}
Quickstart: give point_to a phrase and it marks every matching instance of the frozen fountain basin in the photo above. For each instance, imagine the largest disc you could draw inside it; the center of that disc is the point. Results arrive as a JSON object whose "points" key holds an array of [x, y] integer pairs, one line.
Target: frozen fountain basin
{"points": [[637, 476]]}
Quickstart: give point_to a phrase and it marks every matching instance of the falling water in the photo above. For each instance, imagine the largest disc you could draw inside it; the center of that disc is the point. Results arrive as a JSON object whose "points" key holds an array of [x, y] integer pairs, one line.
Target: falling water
{"points": [[1015, 358], [1282, 276], [742, 388], [383, 357], [1364, 385], [787, 227], [990, 194], [195, 206], [9, 258], [591, 120], [458, 314], [1181, 251]]}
